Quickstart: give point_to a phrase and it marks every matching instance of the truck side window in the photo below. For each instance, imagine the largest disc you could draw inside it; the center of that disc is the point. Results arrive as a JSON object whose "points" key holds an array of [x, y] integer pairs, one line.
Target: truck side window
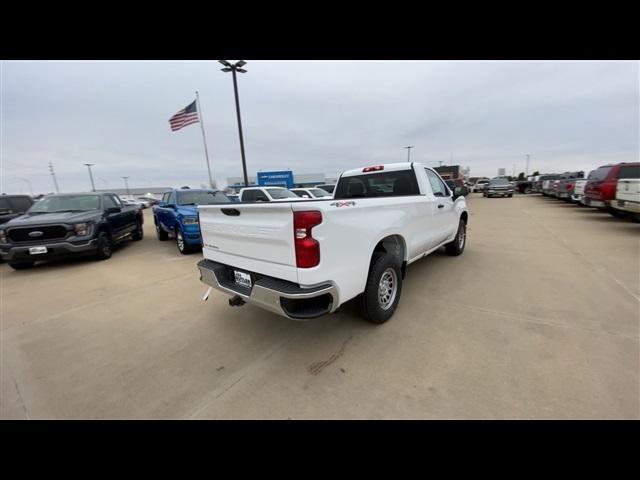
{"points": [[248, 196], [439, 188], [20, 204], [4, 205], [171, 199], [109, 202], [260, 196], [116, 200]]}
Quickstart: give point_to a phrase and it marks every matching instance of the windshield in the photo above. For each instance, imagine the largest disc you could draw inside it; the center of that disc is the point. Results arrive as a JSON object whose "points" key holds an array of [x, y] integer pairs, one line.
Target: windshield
{"points": [[318, 192], [66, 203], [202, 198], [278, 193], [600, 174], [498, 182]]}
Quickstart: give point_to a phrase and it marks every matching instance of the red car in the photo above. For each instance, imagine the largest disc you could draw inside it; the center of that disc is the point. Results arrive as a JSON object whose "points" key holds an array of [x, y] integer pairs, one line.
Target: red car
{"points": [[600, 189]]}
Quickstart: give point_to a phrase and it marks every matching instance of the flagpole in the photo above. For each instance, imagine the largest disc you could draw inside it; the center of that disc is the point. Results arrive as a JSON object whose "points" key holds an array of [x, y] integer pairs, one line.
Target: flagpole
{"points": [[204, 139]]}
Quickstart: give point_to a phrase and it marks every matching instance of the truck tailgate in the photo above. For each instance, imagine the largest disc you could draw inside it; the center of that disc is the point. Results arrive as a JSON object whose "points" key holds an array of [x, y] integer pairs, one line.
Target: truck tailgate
{"points": [[579, 187], [629, 190], [253, 237]]}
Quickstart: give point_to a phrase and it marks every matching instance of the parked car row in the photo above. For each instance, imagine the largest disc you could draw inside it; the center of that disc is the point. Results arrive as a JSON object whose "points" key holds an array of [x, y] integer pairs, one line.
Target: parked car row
{"points": [[614, 189], [69, 224], [302, 253]]}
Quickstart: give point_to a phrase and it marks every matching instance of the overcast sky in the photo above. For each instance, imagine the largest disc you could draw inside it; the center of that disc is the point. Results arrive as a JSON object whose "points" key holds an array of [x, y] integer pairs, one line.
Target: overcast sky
{"points": [[309, 116]]}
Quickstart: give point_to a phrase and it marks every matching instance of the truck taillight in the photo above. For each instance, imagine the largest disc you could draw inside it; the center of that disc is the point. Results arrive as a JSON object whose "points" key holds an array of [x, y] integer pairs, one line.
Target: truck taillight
{"points": [[608, 190], [307, 247], [373, 169], [570, 187]]}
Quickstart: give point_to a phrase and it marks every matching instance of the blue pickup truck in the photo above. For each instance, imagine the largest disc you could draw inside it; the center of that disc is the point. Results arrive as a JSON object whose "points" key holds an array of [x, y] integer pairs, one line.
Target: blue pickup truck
{"points": [[177, 215]]}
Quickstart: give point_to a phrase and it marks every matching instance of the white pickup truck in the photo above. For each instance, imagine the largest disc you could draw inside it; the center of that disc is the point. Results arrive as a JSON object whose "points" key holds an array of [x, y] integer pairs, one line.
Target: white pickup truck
{"points": [[628, 197], [304, 259]]}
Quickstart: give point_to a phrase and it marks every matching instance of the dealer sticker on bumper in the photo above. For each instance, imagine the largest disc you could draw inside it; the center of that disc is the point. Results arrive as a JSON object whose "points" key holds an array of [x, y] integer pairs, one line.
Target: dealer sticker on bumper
{"points": [[242, 278], [37, 250]]}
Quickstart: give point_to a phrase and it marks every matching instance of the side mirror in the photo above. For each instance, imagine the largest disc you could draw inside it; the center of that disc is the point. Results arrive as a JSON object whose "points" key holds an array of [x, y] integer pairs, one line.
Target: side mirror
{"points": [[460, 192], [162, 204], [113, 210]]}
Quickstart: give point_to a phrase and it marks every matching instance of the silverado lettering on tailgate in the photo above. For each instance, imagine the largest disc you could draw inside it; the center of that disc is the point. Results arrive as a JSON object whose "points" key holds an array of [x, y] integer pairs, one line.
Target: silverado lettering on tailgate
{"points": [[242, 230]]}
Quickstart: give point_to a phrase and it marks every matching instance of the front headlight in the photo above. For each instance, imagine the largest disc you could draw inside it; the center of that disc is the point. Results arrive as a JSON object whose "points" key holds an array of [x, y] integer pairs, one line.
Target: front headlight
{"points": [[82, 229], [3, 237], [190, 220]]}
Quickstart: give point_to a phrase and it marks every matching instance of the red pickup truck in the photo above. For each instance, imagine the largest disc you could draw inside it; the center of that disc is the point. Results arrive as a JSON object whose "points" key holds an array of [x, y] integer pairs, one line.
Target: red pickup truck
{"points": [[600, 189]]}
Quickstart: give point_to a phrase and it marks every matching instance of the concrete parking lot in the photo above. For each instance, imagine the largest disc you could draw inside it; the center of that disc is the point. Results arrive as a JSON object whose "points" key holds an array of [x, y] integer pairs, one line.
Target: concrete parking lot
{"points": [[539, 318]]}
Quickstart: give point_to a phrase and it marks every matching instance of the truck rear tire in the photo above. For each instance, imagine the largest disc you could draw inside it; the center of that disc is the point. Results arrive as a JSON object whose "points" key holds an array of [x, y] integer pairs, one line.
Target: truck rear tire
{"points": [[139, 233], [381, 295], [456, 247], [162, 235]]}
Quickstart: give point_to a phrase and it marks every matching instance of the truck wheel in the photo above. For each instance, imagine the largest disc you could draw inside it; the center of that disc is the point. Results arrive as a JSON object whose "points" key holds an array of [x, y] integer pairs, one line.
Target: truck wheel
{"points": [[456, 247], [182, 245], [510, 195], [21, 265], [162, 235], [105, 246], [138, 234], [382, 292]]}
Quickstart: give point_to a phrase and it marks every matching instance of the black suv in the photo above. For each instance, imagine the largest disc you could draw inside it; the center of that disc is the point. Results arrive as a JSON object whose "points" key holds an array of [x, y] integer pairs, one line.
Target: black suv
{"points": [[69, 224], [12, 206]]}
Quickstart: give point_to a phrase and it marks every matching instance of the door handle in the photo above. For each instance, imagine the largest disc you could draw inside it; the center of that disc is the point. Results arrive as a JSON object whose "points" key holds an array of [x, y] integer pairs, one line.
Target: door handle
{"points": [[440, 205]]}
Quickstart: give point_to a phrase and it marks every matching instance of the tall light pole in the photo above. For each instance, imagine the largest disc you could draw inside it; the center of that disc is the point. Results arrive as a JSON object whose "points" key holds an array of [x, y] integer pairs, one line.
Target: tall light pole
{"points": [[27, 181], [409, 147], [53, 174], [527, 174], [93, 186], [233, 68], [126, 184]]}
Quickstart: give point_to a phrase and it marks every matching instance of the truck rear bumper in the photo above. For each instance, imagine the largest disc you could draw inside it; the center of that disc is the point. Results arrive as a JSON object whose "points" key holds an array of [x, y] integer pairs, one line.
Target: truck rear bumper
{"points": [[592, 202], [626, 205], [278, 296]]}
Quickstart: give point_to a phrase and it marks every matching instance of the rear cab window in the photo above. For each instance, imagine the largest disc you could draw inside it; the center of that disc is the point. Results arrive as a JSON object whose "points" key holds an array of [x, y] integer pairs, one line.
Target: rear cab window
{"points": [[600, 174], [629, 171], [20, 204], [392, 183]]}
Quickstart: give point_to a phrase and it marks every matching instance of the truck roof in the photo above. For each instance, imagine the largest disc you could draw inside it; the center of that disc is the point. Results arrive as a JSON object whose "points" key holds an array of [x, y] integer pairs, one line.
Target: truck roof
{"points": [[387, 167]]}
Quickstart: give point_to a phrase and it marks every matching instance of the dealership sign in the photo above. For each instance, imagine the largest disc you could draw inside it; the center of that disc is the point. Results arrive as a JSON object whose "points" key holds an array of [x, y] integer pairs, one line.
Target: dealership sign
{"points": [[279, 179]]}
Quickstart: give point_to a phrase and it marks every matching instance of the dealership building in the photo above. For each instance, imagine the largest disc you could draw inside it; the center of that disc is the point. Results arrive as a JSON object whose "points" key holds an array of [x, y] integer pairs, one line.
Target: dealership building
{"points": [[280, 178]]}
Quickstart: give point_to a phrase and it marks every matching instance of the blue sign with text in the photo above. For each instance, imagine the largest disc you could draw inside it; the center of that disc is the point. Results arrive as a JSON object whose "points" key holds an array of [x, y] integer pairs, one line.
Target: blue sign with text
{"points": [[283, 178]]}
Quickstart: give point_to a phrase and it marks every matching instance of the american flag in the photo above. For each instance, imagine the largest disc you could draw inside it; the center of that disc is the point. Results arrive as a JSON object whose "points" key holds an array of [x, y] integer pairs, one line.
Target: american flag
{"points": [[184, 117]]}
